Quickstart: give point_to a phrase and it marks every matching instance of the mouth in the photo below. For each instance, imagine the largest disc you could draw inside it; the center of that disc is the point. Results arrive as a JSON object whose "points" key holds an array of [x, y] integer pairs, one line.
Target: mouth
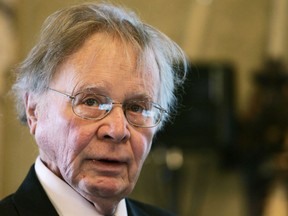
{"points": [[107, 166], [108, 161]]}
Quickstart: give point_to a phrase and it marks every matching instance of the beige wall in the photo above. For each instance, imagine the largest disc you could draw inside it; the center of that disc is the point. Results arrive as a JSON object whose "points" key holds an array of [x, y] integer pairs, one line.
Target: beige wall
{"points": [[227, 30]]}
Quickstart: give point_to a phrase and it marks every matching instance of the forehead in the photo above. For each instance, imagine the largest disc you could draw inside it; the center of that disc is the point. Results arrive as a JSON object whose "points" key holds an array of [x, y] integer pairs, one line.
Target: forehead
{"points": [[105, 61]]}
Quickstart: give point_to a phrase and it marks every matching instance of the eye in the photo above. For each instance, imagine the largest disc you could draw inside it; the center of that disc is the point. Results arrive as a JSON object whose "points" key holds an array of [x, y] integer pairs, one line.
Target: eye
{"points": [[91, 102], [138, 106]]}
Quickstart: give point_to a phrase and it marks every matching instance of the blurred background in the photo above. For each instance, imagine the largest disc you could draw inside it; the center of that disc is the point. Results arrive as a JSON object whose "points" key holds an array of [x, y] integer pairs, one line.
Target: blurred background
{"points": [[225, 153]]}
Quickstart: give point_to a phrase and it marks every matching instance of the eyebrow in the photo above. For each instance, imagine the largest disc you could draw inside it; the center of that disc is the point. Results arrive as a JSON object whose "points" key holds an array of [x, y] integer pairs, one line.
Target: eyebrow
{"points": [[102, 89], [99, 88]]}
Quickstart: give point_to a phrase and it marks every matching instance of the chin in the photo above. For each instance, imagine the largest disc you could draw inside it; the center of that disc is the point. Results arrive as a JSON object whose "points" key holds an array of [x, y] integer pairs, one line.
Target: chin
{"points": [[105, 187]]}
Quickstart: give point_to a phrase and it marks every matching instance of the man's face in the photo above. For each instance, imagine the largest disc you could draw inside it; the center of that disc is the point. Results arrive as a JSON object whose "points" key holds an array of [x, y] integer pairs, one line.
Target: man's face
{"points": [[99, 158]]}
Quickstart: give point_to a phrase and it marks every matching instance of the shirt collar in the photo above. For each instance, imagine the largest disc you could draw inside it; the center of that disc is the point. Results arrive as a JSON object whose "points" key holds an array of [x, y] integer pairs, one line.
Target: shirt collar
{"points": [[65, 199]]}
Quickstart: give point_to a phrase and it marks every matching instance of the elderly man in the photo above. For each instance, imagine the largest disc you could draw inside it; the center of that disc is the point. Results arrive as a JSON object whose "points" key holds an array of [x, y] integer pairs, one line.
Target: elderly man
{"points": [[94, 91]]}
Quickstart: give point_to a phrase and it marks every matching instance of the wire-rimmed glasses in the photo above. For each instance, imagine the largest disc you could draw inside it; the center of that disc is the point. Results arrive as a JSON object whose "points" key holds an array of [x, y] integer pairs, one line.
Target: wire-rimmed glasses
{"points": [[93, 106]]}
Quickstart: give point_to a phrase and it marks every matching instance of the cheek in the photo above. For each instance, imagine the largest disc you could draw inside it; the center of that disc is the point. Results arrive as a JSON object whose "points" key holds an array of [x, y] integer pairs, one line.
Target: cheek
{"points": [[45, 136], [61, 139], [75, 139], [142, 145]]}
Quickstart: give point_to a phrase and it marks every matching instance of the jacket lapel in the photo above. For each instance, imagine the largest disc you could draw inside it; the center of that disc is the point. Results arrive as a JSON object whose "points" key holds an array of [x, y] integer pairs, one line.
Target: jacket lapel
{"points": [[133, 209], [31, 200]]}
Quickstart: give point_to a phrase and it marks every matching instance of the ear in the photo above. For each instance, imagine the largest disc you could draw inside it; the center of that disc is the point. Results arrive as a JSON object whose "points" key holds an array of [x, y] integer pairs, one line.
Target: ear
{"points": [[31, 111]]}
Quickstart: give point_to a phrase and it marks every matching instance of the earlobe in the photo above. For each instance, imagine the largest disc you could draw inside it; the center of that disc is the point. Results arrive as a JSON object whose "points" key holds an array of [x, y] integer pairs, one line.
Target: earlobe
{"points": [[31, 112]]}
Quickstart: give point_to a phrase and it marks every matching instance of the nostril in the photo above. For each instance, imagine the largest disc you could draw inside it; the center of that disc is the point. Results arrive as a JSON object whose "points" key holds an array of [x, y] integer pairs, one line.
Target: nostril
{"points": [[116, 138], [107, 137]]}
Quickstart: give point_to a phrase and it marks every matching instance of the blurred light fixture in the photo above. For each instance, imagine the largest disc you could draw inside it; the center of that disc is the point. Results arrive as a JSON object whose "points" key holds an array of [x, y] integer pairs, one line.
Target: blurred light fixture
{"points": [[174, 158]]}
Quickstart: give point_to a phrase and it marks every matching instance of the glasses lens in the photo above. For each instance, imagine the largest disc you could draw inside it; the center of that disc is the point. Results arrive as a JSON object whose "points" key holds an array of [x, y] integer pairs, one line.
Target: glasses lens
{"points": [[91, 106], [88, 105], [143, 113]]}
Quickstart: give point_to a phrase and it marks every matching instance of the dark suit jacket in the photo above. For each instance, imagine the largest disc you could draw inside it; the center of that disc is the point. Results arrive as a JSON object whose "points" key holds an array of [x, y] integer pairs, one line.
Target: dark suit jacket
{"points": [[31, 200]]}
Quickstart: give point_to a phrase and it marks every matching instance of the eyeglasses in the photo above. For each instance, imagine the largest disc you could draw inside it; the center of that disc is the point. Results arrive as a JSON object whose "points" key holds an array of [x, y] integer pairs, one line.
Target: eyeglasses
{"points": [[92, 106]]}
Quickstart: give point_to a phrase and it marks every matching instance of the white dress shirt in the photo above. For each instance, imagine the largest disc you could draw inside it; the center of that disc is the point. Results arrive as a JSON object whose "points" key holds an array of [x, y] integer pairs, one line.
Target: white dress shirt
{"points": [[66, 200]]}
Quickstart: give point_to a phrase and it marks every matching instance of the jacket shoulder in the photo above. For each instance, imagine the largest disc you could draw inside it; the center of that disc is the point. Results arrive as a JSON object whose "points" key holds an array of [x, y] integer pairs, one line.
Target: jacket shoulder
{"points": [[30, 199], [7, 207]]}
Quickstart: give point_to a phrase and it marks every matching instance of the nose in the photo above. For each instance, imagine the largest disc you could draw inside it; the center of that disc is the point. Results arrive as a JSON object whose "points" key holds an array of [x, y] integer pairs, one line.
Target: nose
{"points": [[114, 127]]}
